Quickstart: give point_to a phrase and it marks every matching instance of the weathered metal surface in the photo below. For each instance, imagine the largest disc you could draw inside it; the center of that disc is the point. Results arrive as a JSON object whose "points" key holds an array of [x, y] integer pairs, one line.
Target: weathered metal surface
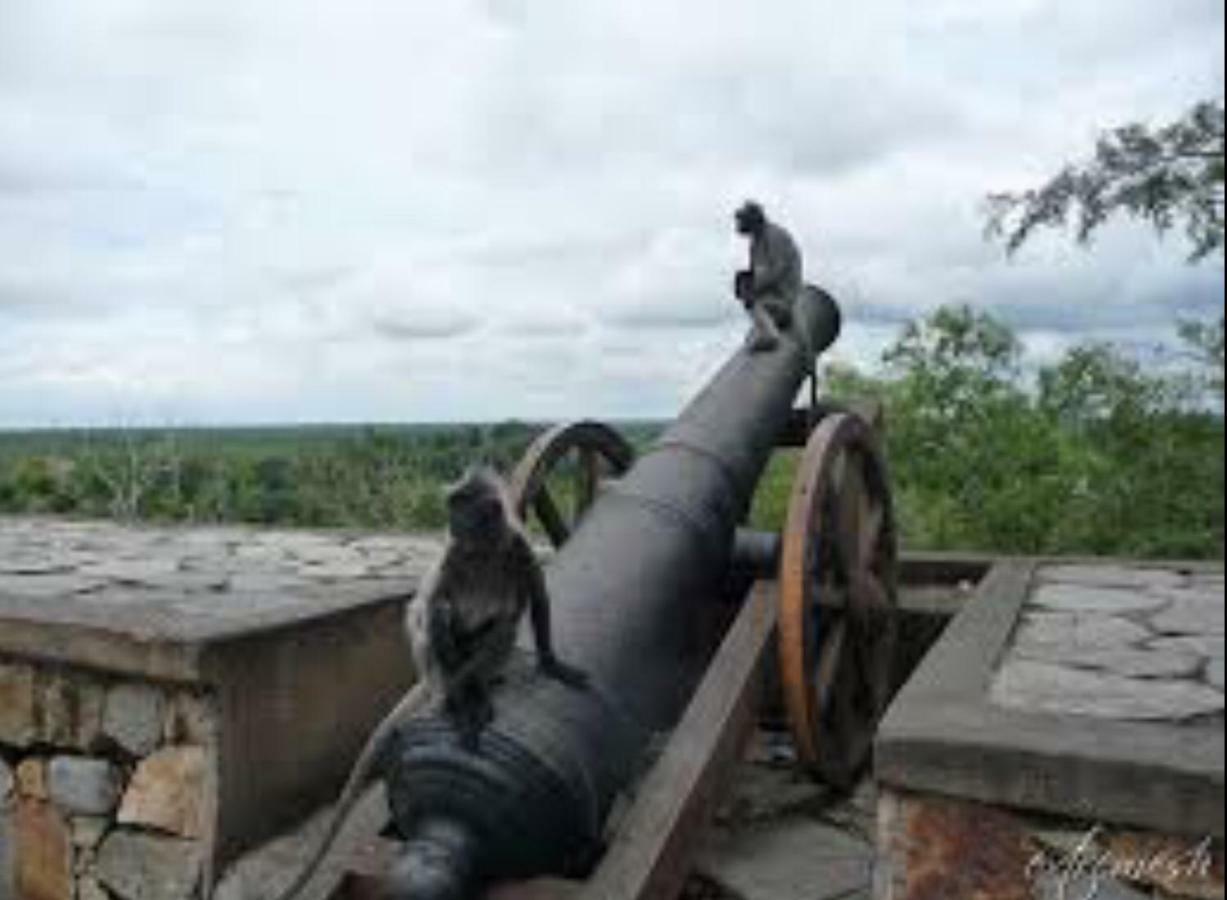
{"points": [[648, 555], [801, 422], [649, 857], [839, 540], [601, 452]]}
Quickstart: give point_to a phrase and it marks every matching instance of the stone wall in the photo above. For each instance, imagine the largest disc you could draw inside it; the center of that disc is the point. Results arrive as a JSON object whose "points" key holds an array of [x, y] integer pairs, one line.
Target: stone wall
{"points": [[107, 785], [932, 847]]}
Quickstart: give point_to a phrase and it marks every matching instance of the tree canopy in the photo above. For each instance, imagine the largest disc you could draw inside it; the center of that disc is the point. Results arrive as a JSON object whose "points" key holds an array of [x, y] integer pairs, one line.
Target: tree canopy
{"points": [[1167, 176]]}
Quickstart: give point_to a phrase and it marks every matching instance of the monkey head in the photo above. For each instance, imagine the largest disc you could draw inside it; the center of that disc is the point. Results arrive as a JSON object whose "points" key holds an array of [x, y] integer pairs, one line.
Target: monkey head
{"points": [[750, 218], [476, 507]]}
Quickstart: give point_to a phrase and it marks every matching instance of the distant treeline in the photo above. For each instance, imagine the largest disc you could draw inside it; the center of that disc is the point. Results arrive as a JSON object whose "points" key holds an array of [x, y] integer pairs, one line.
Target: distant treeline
{"points": [[1096, 453], [362, 476]]}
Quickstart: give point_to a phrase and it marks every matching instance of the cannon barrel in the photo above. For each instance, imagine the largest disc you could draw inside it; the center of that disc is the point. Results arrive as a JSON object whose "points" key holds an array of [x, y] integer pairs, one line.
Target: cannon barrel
{"points": [[627, 589]]}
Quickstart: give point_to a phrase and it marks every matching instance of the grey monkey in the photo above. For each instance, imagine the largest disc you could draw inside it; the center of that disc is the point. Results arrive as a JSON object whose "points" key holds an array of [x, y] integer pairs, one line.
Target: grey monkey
{"points": [[462, 625], [770, 286]]}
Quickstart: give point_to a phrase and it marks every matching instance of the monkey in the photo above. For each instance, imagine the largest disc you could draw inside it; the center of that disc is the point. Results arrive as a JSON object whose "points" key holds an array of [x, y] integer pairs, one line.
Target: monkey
{"points": [[770, 286], [461, 625]]}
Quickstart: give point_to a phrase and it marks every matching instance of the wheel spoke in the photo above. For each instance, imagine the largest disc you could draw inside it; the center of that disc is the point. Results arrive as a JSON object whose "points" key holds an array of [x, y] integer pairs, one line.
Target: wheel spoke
{"points": [[551, 520], [872, 523], [872, 598], [851, 516], [587, 476], [830, 652]]}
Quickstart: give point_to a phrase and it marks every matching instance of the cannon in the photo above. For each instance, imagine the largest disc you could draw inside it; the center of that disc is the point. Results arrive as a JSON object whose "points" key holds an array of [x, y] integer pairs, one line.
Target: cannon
{"points": [[648, 547]]}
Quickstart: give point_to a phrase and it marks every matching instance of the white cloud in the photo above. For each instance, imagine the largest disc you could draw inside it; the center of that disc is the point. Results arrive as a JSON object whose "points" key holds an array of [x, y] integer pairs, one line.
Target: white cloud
{"points": [[263, 211]]}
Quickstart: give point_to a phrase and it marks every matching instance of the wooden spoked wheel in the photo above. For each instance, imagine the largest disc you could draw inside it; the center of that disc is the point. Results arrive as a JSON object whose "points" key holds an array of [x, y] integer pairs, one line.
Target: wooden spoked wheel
{"points": [[572, 460], [838, 598]]}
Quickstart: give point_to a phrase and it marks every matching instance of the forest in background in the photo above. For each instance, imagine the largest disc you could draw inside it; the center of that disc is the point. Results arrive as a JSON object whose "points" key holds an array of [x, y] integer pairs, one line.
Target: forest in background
{"points": [[1098, 453]]}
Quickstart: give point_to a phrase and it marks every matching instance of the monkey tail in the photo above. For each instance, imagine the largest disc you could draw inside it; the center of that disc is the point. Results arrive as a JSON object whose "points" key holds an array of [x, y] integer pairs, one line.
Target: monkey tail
{"points": [[415, 698]]}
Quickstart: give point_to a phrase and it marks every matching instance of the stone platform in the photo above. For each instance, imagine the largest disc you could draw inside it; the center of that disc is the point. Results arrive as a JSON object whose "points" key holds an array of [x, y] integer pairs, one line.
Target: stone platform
{"points": [[1072, 715], [170, 696]]}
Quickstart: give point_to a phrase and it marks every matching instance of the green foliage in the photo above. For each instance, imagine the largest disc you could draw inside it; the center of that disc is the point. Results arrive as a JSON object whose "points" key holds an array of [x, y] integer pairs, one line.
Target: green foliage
{"points": [[1163, 176], [377, 477], [1097, 456]]}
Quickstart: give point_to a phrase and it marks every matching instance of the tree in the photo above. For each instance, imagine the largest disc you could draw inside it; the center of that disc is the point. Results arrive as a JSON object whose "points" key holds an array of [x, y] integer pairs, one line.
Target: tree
{"points": [[1205, 344], [1166, 176]]}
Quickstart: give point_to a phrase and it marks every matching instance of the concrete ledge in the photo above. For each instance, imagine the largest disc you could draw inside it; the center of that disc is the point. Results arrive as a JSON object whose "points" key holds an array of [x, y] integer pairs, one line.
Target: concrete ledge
{"points": [[943, 735]]}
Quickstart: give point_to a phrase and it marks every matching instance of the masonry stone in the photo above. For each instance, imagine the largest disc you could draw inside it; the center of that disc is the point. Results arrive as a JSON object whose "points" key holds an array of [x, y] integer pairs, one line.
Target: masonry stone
{"points": [[1128, 661], [190, 719], [1214, 673], [83, 785], [16, 704], [1089, 598], [6, 781], [133, 717], [1206, 645], [794, 858], [1048, 688], [1112, 576], [7, 862], [69, 710], [168, 791], [140, 866], [88, 831], [1192, 614], [1081, 630], [42, 852], [32, 778], [91, 889]]}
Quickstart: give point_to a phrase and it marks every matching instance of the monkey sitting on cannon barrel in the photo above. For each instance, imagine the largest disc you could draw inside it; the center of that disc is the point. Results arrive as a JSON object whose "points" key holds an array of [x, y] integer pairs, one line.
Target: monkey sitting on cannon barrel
{"points": [[462, 625], [770, 286]]}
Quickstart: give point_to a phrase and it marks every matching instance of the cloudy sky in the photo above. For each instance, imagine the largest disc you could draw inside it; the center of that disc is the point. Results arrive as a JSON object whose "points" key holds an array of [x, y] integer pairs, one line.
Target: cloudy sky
{"points": [[252, 211]]}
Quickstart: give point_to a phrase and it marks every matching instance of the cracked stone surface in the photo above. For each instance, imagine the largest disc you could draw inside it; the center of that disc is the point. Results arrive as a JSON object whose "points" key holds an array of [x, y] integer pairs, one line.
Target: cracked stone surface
{"points": [[1088, 598], [1112, 576], [180, 583], [1046, 687], [1117, 642], [1128, 661], [1080, 630], [779, 836]]}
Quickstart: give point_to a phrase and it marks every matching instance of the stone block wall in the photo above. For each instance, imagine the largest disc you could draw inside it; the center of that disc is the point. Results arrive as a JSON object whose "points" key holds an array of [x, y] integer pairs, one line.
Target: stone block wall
{"points": [[107, 785], [932, 847]]}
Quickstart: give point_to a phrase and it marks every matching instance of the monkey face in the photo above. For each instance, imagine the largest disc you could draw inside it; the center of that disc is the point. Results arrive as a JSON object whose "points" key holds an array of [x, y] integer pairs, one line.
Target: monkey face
{"points": [[475, 507], [750, 218]]}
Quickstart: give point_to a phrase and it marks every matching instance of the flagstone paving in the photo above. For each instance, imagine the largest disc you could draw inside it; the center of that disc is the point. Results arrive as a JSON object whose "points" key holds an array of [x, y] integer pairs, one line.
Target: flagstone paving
{"points": [[1117, 642]]}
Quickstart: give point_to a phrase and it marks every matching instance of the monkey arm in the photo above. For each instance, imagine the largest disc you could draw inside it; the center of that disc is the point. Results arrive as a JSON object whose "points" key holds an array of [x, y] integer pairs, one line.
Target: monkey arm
{"points": [[539, 611]]}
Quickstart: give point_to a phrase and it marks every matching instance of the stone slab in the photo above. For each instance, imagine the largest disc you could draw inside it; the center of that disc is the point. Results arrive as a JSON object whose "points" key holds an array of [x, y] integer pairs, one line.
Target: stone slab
{"points": [[83, 785], [1065, 690], [1080, 630], [1131, 662], [944, 734], [794, 858], [1113, 575], [1192, 613], [152, 600], [1091, 598], [141, 866], [1209, 646]]}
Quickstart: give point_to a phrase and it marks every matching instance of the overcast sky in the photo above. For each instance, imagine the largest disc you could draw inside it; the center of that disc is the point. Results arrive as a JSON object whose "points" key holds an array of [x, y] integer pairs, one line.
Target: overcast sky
{"points": [[250, 211]]}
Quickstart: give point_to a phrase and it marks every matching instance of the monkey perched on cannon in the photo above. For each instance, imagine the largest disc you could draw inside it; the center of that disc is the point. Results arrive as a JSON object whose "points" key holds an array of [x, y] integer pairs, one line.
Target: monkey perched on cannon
{"points": [[770, 286], [462, 625]]}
